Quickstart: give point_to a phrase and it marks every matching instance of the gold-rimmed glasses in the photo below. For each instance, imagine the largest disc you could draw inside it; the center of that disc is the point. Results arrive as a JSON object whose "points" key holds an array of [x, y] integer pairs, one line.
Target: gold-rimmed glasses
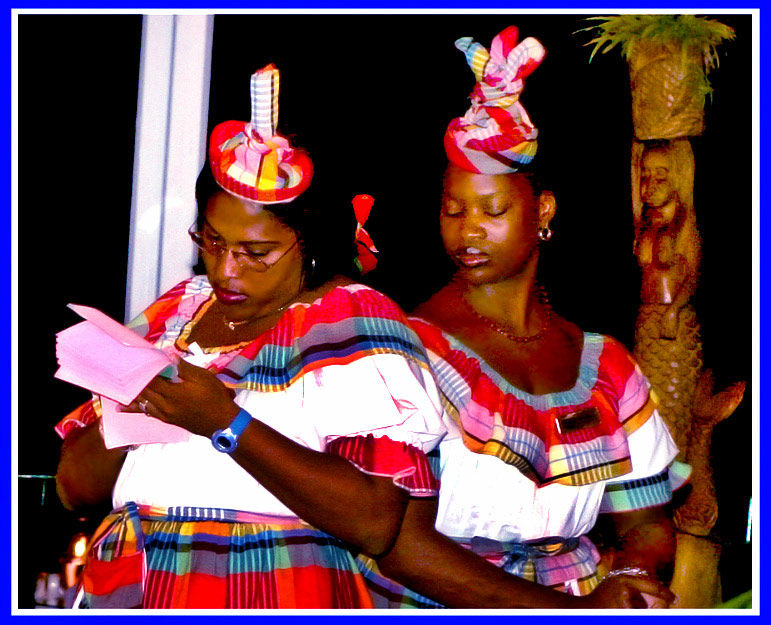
{"points": [[212, 243]]}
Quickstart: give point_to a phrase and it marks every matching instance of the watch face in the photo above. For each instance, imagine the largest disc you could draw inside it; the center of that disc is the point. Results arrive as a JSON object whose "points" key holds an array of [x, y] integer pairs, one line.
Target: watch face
{"points": [[224, 441], [227, 440]]}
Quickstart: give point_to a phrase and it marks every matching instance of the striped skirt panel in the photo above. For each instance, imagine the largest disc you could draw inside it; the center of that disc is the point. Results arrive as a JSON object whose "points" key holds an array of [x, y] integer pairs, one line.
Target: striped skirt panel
{"points": [[189, 560]]}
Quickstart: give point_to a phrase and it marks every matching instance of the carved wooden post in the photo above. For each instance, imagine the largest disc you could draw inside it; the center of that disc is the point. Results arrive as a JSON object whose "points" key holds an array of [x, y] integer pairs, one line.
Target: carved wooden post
{"points": [[667, 107]]}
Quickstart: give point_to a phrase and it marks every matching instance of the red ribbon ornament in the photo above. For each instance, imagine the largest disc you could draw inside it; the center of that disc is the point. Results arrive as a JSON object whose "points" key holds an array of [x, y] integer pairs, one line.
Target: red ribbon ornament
{"points": [[365, 247]]}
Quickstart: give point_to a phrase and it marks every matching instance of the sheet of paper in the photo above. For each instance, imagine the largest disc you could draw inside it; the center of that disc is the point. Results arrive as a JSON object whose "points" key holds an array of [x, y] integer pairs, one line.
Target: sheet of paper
{"points": [[107, 358], [133, 428], [108, 324]]}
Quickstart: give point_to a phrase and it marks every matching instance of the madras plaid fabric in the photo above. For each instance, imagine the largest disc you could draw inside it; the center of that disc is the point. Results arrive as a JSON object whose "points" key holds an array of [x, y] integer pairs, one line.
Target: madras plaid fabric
{"points": [[567, 565], [203, 558], [496, 136], [409, 467], [264, 89], [310, 339], [82, 416], [347, 324], [251, 160], [524, 430], [388, 594], [647, 492]]}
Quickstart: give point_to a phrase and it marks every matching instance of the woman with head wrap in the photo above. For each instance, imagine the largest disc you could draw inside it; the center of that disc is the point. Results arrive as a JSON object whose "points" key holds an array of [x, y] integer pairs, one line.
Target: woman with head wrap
{"points": [[551, 426], [308, 399]]}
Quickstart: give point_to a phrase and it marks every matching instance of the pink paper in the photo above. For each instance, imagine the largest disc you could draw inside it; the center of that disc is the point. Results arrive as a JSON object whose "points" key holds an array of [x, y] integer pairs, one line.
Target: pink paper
{"points": [[107, 358], [134, 428], [109, 325]]}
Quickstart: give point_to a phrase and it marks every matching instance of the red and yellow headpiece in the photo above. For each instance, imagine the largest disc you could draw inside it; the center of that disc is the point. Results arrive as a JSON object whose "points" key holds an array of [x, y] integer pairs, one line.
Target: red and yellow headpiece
{"points": [[253, 162]]}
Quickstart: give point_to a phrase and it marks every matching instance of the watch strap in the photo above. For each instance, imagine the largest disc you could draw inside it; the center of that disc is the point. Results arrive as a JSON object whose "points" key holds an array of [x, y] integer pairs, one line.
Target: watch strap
{"points": [[227, 440]]}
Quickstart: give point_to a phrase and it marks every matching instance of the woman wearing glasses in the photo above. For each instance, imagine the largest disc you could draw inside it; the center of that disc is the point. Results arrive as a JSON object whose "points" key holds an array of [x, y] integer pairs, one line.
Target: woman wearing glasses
{"points": [[309, 402]]}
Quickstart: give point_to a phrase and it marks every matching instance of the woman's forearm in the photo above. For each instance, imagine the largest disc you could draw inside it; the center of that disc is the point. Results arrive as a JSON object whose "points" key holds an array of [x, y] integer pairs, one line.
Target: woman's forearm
{"points": [[645, 539], [324, 490], [437, 567], [87, 471]]}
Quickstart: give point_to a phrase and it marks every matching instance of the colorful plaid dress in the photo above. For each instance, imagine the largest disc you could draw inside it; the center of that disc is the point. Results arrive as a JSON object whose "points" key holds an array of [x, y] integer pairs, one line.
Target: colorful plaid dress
{"points": [[192, 529], [523, 477]]}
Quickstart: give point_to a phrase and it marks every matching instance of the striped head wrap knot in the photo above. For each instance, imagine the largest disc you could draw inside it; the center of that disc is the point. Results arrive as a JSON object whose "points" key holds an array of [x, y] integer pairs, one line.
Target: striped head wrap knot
{"points": [[250, 160], [496, 136]]}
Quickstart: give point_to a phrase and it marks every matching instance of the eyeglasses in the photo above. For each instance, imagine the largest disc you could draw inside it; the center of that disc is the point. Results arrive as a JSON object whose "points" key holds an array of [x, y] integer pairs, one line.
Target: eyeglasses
{"points": [[246, 258]]}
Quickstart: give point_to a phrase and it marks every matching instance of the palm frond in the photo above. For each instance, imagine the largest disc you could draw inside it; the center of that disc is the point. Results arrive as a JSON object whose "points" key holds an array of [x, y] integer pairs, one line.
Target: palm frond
{"points": [[688, 31]]}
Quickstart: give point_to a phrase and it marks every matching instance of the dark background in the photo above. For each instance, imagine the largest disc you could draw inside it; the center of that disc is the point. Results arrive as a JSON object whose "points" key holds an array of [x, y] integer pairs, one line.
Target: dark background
{"points": [[369, 96]]}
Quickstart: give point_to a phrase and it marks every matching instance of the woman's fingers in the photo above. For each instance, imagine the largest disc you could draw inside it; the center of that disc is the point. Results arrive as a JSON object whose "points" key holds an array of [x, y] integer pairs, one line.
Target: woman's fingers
{"points": [[161, 385], [653, 587], [155, 404], [138, 405], [188, 374], [149, 402], [632, 591], [187, 371], [132, 407], [638, 587], [206, 381], [189, 403]]}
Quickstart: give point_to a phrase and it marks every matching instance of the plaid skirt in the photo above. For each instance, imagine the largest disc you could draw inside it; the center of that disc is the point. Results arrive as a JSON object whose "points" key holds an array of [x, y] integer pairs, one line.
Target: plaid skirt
{"points": [[567, 565], [147, 557], [388, 594]]}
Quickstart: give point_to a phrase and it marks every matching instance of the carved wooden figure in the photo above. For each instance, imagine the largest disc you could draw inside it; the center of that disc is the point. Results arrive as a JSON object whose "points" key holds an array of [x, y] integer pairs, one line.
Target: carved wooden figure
{"points": [[669, 57], [669, 349], [667, 245]]}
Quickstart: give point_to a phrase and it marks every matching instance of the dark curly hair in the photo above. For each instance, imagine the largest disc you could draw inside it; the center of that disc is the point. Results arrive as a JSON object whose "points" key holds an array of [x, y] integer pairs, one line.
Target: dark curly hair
{"points": [[319, 264]]}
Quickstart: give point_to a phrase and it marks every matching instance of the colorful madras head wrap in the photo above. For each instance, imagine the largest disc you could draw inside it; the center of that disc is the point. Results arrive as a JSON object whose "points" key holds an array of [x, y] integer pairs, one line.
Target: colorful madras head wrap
{"points": [[253, 162], [496, 136]]}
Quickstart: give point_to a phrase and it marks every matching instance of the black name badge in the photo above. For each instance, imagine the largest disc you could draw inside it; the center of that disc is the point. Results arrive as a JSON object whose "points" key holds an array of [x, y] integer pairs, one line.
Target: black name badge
{"points": [[578, 420]]}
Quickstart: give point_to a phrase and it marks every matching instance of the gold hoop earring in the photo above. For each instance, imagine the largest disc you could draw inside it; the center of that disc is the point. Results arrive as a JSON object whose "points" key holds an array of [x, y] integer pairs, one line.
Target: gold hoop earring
{"points": [[544, 234]]}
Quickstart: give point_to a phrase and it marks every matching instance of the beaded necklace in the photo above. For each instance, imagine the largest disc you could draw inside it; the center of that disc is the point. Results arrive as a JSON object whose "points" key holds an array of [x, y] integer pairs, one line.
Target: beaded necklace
{"points": [[502, 329]]}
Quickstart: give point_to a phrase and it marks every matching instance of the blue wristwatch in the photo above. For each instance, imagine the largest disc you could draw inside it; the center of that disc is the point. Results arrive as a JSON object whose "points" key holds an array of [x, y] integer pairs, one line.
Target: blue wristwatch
{"points": [[226, 440]]}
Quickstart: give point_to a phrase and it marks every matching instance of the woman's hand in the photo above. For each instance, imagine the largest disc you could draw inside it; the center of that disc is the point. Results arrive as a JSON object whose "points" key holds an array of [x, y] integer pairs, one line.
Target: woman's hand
{"points": [[199, 402], [629, 591]]}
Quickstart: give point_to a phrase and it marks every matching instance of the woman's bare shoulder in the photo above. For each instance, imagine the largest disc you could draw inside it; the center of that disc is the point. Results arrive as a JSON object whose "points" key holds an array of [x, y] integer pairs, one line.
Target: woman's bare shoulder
{"points": [[438, 309]]}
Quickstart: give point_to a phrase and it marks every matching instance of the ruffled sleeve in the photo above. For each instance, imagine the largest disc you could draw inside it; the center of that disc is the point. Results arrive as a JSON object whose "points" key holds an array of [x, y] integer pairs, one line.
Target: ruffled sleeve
{"points": [[408, 466], [178, 303], [367, 390], [383, 414], [655, 472], [83, 415]]}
